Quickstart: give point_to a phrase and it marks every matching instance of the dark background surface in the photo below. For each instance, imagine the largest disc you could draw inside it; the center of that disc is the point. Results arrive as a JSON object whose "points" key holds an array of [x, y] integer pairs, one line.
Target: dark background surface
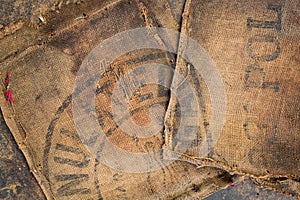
{"points": [[16, 180]]}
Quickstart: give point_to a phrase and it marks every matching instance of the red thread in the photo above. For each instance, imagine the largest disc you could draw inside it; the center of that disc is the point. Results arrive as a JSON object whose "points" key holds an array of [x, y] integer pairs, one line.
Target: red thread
{"points": [[9, 96], [8, 93]]}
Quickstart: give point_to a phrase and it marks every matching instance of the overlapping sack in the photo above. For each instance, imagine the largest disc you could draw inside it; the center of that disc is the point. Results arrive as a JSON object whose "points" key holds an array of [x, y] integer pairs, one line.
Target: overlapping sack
{"points": [[255, 47]]}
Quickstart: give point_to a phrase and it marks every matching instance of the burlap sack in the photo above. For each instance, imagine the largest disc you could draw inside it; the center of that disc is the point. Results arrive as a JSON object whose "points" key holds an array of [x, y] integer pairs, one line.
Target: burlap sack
{"points": [[255, 46], [262, 104]]}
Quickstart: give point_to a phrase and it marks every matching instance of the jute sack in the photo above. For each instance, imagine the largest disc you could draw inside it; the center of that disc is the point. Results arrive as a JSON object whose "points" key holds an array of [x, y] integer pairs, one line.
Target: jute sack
{"points": [[255, 47], [44, 65]]}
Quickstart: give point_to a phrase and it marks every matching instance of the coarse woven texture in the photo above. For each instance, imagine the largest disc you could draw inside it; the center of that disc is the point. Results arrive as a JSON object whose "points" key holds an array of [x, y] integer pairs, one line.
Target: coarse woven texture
{"points": [[262, 104], [257, 52]]}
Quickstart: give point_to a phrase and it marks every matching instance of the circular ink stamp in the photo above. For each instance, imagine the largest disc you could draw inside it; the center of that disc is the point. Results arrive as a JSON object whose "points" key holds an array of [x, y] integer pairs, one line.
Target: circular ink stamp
{"points": [[69, 167], [114, 120]]}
